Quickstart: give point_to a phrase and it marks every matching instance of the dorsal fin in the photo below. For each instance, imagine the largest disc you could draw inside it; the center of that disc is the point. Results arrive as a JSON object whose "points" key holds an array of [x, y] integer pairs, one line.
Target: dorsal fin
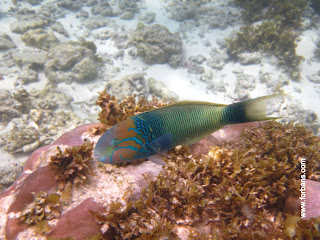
{"points": [[186, 103], [199, 102]]}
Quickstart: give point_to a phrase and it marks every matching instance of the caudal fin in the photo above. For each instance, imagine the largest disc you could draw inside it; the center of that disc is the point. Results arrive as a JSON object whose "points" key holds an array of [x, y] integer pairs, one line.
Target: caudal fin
{"points": [[251, 110]]}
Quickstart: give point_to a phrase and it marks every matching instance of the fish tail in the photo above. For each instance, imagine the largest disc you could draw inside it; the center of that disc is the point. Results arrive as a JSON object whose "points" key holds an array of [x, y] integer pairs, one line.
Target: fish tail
{"points": [[250, 110]]}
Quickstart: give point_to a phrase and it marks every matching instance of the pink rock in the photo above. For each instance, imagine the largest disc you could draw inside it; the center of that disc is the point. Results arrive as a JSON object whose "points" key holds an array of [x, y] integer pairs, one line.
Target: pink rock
{"points": [[43, 179], [308, 203], [226, 134], [72, 138], [79, 223], [312, 201], [13, 227], [35, 179]]}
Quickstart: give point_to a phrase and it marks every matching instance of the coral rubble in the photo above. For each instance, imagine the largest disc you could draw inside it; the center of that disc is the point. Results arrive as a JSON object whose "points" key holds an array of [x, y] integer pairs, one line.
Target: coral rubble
{"points": [[156, 44], [35, 120], [136, 84], [71, 61], [39, 38], [6, 42]]}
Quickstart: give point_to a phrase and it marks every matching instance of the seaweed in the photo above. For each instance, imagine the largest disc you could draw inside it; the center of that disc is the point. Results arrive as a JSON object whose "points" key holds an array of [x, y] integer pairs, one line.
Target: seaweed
{"points": [[252, 10], [317, 50], [275, 35], [74, 166], [287, 12], [43, 208], [234, 192], [268, 37], [315, 4], [113, 112]]}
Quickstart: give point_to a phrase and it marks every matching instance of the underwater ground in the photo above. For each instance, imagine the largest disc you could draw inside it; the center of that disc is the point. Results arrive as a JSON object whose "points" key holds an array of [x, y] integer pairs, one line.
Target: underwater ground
{"points": [[56, 56]]}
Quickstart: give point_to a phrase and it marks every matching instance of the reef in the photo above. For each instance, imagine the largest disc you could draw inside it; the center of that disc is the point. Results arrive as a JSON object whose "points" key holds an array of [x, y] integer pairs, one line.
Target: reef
{"points": [[29, 21], [36, 198], [9, 172], [156, 44], [43, 208], [136, 84], [35, 121], [30, 59], [71, 61]]}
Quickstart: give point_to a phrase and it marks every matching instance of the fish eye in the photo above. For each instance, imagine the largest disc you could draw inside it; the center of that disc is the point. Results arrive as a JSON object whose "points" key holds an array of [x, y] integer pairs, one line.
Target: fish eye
{"points": [[114, 142]]}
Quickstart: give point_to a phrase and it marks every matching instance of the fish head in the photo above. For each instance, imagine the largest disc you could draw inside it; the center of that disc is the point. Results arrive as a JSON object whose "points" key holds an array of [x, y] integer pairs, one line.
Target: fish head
{"points": [[119, 144], [105, 147]]}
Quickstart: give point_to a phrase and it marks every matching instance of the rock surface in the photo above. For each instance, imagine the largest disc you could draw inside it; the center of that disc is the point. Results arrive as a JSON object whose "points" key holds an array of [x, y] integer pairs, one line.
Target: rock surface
{"points": [[30, 59], [156, 44], [39, 38], [129, 85], [140, 86], [26, 22], [6, 42], [68, 62], [35, 120]]}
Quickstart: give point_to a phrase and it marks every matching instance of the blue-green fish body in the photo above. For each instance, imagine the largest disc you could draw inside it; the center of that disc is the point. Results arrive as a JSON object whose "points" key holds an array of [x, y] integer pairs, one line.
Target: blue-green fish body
{"points": [[182, 123]]}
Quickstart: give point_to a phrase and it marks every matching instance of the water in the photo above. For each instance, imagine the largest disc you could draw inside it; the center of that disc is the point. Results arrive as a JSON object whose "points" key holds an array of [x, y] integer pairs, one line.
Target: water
{"points": [[55, 56]]}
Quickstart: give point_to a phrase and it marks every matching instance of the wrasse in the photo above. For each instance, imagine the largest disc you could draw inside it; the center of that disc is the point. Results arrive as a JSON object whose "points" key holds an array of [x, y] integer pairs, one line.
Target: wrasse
{"points": [[182, 123]]}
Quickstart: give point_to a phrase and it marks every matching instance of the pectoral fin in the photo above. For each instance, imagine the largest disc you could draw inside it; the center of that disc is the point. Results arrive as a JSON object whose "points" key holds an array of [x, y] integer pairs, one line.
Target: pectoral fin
{"points": [[157, 158], [161, 144]]}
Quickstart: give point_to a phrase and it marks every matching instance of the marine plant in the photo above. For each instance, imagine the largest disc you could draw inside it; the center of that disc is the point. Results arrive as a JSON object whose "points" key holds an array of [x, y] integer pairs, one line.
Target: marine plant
{"points": [[286, 12], [74, 166], [316, 6], [275, 35], [236, 191], [317, 50], [268, 37], [113, 112], [43, 208]]}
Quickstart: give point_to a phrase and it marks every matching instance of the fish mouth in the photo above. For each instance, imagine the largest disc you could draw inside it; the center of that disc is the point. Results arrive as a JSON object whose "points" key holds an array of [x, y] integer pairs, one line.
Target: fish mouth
{"points": [[101, 158]]}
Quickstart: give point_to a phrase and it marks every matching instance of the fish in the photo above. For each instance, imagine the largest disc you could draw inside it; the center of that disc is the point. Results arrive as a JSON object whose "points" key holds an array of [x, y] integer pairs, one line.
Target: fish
{"points": [[151, 134]]}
